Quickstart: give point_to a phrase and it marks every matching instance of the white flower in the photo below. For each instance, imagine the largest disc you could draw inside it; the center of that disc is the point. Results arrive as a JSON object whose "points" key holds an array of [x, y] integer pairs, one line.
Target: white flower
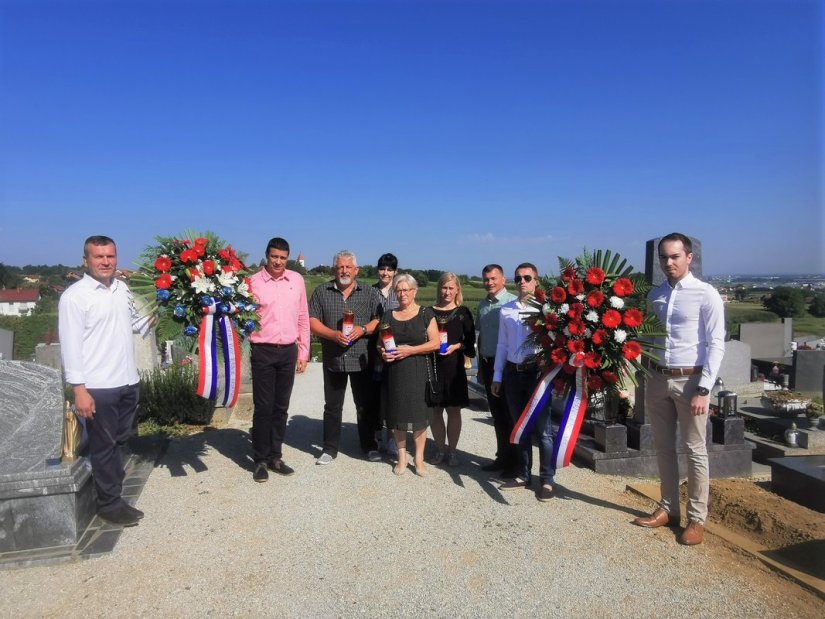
{"points": [[227, 278], [566, 332], [580, 297], [546, 309], [592, 316], [617, 302], [587, 332], [564, 308], [202, 284], [620, 335], [243, 289]]}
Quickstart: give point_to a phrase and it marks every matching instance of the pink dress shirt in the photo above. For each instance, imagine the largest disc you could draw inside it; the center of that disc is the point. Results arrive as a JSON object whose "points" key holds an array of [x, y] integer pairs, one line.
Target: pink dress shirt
{"points": [[282, 305]]}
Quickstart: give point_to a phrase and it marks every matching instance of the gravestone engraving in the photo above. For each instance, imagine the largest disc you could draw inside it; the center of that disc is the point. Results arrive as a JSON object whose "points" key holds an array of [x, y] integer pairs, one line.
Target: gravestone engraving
{"points": [[43, 502], [654, 273]]}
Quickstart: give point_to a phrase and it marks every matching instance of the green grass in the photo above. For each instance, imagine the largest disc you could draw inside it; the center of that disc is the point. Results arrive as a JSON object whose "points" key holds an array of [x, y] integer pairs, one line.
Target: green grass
{"points": [[737, 313]]}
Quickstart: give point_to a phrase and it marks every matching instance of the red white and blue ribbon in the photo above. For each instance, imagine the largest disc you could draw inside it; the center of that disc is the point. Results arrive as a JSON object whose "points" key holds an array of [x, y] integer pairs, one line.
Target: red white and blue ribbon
{"points": [[575, 407], [208, 358]]}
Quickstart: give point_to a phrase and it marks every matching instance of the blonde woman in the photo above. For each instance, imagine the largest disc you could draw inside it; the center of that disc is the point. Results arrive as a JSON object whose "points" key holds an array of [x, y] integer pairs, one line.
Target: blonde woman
{"points": [[403, 391], [452, 316]]}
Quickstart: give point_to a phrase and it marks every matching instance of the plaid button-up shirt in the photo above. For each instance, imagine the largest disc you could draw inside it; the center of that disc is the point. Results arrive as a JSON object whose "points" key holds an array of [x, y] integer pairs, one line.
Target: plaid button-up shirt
{"points": [[327, 305]]}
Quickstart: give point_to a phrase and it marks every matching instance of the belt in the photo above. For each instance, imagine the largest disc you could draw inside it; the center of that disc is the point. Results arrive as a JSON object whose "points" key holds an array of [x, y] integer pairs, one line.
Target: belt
{"points": [[675, 371], [273, 345], [522, 367]]}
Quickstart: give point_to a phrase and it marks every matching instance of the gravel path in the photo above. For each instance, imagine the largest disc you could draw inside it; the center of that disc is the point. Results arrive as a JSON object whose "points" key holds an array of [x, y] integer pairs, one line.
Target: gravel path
{"points": [[353, 539]]}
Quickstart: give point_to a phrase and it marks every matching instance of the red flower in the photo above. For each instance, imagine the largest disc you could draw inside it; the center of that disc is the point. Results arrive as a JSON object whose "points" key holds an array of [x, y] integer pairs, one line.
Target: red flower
{"points": [[551, 321], [610, 377], [164, 282], [594, 383], [545, 341], [576, 327], [536, 327], [561, 341], [188, 255], [200, 250], [163, 263], [599, 337], [224, 255], [201, 241], [184, 242], [623, 287], [592, 360], [193, 272], [633, 318], [558, 295], [569, 274], [575, 287], [575, 346], [595, 298], [539, 294], [558, 356], [576, 310], [631, 350], [569, 369], [611, 319], [595, 276], [234, 264], [208, 267]]}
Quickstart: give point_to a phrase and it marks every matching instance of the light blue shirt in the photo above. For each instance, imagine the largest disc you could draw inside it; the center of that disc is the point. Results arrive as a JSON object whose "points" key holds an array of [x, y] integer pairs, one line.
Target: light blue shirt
{"points": [[487, 317]]}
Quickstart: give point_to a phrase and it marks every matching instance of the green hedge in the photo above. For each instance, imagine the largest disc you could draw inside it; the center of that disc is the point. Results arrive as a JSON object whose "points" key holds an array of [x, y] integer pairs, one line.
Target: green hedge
{"points": [[168, 396], [28, 331]]}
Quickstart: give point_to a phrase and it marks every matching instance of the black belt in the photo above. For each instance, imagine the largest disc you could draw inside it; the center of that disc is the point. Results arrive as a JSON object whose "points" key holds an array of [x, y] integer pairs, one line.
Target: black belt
{"points": [[675, 371], [273, 345], [522, 367]]}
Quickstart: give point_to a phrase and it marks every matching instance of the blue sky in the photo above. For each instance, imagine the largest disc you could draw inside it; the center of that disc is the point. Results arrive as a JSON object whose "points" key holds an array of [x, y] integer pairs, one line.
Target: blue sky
{"points": [[449, 133]]}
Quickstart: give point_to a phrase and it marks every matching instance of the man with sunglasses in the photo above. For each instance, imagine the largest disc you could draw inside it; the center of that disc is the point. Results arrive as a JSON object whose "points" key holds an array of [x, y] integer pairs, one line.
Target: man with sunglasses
{"points": [[518, 374]]}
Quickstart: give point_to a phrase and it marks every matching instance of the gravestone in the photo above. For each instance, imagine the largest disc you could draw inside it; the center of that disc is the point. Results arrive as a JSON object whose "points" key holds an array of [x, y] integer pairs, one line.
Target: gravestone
{"points": [[654, 273], [43, 502], [768, 340], [736, 365]]}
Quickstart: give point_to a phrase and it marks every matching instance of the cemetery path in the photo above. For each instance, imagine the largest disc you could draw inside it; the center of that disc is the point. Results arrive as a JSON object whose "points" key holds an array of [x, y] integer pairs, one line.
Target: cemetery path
{"points": [[352, 538]]}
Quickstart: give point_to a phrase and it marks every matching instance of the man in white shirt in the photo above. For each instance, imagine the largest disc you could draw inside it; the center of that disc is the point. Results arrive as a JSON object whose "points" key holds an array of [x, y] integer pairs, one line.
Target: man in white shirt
{"points": [[96, 319], [518, 373], [678, 390]]}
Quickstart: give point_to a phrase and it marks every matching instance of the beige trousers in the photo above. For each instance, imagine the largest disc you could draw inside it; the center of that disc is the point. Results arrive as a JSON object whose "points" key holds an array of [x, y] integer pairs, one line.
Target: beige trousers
{"points": [[667, 401]]}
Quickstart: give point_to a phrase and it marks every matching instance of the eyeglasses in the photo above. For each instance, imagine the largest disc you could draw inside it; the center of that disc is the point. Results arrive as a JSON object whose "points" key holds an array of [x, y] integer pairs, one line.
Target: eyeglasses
{"points": [[526, 278], [404, 290]]}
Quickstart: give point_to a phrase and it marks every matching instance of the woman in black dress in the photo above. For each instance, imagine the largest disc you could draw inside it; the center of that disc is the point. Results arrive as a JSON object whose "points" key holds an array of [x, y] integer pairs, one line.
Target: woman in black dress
{"points": [[457, 321], [403, 391]]}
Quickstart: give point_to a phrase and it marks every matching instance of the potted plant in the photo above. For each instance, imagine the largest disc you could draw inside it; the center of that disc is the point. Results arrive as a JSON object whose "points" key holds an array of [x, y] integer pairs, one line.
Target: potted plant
{"points": [[785, 403]]}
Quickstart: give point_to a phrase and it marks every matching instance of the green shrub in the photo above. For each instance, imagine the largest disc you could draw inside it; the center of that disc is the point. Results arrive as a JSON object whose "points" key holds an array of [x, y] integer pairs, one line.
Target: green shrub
{"points": [[168, 396]]}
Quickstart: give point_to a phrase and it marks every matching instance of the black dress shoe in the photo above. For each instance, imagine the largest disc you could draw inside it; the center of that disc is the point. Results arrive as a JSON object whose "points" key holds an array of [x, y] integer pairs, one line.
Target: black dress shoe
{"points": [[118, 515], [280, 467], [495, 465], [133, 510], [260, 474]]}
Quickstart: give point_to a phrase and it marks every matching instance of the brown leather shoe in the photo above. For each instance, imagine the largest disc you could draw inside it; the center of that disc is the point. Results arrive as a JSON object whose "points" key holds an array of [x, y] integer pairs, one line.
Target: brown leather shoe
{"points": [[657, 519], [693, 534]]}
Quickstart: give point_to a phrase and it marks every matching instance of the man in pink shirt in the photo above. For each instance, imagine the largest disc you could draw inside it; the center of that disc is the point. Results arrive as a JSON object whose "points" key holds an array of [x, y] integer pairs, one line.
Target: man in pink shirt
{"points": [[279, 349]]}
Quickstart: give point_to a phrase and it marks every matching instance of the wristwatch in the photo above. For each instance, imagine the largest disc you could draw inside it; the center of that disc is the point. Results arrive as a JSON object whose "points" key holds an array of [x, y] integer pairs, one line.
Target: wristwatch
{"points": [[365, 331], [702, 390]]}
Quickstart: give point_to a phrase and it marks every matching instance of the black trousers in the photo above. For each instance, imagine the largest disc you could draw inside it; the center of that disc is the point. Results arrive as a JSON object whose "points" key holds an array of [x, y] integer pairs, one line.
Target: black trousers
{"points": [[502, 420], [335, 388], [109, 429], [273, 375]]}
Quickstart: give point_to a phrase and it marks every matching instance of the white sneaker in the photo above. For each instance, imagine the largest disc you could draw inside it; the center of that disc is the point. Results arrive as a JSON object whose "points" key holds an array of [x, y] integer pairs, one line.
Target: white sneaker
{"points": [[324, 458]]}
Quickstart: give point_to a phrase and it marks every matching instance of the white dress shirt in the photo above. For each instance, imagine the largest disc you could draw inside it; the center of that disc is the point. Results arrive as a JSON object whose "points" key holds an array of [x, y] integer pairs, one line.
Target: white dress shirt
{"points": [[512, 334], [96, 325], [694, 315]]}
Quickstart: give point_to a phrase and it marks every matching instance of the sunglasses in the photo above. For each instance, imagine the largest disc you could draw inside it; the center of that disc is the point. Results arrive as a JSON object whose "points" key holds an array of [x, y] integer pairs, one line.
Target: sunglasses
{"points": [[526, 278]]}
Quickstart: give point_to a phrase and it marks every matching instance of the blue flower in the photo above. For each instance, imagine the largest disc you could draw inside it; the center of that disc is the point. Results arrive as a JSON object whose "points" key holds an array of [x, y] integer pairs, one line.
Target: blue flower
{"points": [[227, 291], [190, 331], [251, 307], [206, 300], [224, 307], [179, 311], [240, 305], [163, 295], [249, 326]]}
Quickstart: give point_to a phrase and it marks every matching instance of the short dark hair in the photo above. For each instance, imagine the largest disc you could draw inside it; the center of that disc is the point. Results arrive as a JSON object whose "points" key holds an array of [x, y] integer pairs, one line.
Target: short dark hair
{"points": [[387, 260], [98, 239], [676, 236], [277, 243], [492, 267], [528, 265]]}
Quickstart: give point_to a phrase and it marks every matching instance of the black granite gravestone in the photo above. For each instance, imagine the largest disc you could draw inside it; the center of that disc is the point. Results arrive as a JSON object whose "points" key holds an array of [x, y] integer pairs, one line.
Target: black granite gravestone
{"points": [[43, 502]]}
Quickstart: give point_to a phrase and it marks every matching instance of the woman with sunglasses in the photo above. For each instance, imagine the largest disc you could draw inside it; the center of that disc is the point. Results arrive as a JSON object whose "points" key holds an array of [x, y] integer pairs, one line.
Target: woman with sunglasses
{"points": [[456, 321], [403, 391]]}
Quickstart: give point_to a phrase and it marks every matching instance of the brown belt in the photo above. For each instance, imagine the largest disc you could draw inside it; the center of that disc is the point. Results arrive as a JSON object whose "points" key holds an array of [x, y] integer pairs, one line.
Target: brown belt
{"points": [[675, 371]]}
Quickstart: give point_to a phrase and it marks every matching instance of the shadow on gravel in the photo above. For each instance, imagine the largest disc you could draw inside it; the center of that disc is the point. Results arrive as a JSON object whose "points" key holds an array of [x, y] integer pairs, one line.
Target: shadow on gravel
{"points": [[188, 451], [566, 494], [306, 434]]}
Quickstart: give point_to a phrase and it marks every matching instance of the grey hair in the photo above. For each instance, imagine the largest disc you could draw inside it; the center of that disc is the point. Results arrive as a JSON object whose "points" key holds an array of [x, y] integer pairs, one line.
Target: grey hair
{"points": [[344, 253], [404, 277]]}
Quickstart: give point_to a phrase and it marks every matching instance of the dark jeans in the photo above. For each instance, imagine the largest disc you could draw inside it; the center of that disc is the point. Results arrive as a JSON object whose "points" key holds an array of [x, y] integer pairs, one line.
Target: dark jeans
{"points": [[502, 420], [335, 388], [273, 374], [109, 429], [518, 388]]}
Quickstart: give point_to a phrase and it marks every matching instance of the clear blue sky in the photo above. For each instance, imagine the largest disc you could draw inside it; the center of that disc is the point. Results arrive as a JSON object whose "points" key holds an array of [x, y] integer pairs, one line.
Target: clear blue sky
{"points": [[450, 133]]}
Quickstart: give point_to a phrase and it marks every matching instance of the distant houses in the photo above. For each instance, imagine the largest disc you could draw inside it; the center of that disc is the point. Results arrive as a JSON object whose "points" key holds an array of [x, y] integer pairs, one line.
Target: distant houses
{"points": [[18, 301]]}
